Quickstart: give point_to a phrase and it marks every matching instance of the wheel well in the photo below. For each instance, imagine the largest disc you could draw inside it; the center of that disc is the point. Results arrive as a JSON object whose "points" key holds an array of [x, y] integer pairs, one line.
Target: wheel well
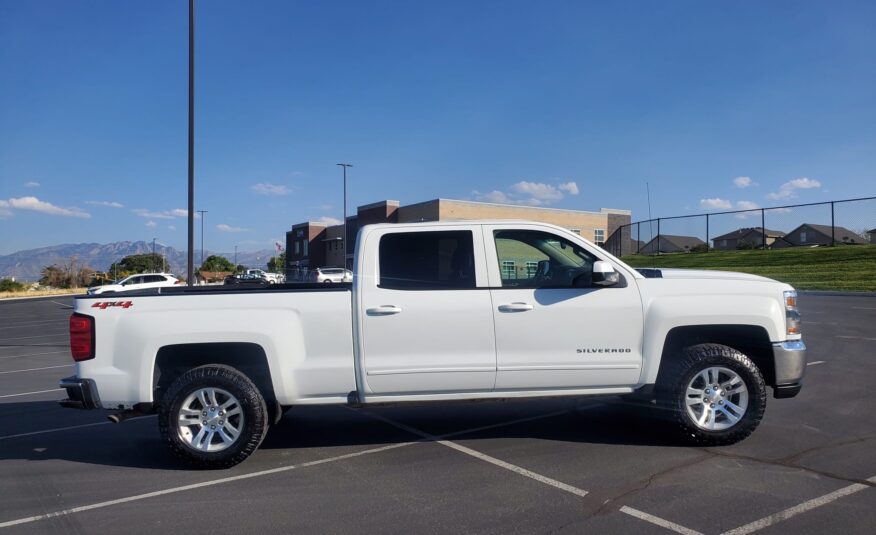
{"points": [[250, 359], [751, 340]]}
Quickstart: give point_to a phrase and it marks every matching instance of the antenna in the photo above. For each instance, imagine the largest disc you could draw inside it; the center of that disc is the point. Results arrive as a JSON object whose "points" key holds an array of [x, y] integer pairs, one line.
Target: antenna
{"points": [[650, 221]]}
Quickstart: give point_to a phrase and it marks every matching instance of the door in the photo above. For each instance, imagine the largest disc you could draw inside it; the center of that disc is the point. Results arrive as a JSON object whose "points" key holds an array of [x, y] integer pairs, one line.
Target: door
{"points": [[554, 329], [426, 314]]}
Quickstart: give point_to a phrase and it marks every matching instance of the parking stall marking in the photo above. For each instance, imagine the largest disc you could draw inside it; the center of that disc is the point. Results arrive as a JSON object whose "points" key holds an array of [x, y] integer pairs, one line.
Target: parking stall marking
{"points": [[28, 324], [38, 369], [33, 355], [814, 363], [68, 428], [31, 393], [657, 521], [855, 337], [798, 509], [65, 333], [251, 475], [482, 456]]}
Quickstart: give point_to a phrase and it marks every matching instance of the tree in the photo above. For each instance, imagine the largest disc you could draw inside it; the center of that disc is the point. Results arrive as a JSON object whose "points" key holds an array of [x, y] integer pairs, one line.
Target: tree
{"points": [[70, 275], [137, 263], [217, 263], [277, 263], [9, 285]]}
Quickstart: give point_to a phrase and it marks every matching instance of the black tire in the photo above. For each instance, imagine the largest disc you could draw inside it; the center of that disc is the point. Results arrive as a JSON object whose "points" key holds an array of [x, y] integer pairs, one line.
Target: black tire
{"points": [[672, 394], [253, 418]]}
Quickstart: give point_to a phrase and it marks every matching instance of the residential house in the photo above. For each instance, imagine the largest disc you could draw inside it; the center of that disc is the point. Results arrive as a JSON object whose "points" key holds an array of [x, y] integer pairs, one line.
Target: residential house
{"points": [[809, 234], [667, 243], [746, 238]]}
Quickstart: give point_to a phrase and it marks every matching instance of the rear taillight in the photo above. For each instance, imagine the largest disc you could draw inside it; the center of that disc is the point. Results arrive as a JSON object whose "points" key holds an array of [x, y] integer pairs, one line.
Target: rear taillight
{"points": [[81, 337]]}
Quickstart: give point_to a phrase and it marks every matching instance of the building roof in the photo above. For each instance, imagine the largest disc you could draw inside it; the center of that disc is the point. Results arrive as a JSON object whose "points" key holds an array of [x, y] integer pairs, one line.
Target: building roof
{"points": [[682, 242], [841, 234], [740, 232]]}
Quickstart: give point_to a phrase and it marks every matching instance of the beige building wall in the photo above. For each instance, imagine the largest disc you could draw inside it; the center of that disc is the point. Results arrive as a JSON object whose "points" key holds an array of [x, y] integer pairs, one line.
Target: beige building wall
{"points": [[586, 223]]}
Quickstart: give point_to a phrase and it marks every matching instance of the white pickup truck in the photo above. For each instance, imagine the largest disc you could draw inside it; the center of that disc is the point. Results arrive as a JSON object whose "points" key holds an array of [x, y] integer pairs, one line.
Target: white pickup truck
{"points": [[440, 311]]}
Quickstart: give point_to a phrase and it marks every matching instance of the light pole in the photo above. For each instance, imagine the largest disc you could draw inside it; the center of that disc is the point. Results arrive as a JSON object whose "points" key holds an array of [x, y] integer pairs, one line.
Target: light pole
{"points": [[344, 166], [153, 254], [235, 257], [202, 212], [191, 209]]}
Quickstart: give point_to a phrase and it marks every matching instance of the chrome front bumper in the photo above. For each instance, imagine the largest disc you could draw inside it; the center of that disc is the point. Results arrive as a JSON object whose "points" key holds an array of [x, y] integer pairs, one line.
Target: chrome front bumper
{"points": [[789, 359]]}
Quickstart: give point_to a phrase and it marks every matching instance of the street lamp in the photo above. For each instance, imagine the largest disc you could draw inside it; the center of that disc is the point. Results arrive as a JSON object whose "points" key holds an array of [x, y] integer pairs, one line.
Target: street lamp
{"points": [[202, 212], [235, 257], [344, 166], [190, 215], [153, 254]]}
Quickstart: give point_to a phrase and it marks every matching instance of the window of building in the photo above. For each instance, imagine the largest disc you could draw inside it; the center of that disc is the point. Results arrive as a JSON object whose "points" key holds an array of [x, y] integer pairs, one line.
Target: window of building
{"points": [[441, 260], [297, 247], [304, 247], [509, 269], [803, 237], [599, 236], [551, 261]]}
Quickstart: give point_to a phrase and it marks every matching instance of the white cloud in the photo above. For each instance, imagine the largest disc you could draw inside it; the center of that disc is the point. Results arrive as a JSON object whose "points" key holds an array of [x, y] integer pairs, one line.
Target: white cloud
{"points": [[151, 224], [164, 214], [35, 205], [171, 227], [529, 193], [494, 196], [569, 187], [108, 204], [744, 182], [5, 212], [328, 220], [788, 189], [228, 228], [31, 184], [715, 204], [266, 188], [746, 205]]}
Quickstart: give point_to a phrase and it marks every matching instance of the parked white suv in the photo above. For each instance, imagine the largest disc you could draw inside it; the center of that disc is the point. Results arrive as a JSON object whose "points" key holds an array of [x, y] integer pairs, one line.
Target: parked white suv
{"points": [[139, 281], [331, 275]]}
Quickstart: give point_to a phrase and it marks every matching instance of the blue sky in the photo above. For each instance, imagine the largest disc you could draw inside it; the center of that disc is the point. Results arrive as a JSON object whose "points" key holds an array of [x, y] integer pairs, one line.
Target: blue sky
{"points": [[563, 104]]}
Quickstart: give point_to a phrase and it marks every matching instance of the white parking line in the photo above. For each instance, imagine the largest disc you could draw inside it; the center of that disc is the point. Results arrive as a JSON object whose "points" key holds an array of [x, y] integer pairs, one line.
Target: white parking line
{"points": [[65, 333], [229, 479], [30, 393], [482, 456], [68, 428], [28, 324], [855, 337], [198, 485], [65, 305], [37, 369], [34, 354], [657, 521], [815, 362], [864, 308], [798, 509]]}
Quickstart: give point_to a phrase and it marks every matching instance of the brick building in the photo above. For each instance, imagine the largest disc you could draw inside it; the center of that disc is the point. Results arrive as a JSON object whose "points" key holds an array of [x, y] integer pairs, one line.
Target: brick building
{"points": [[313, 244]]}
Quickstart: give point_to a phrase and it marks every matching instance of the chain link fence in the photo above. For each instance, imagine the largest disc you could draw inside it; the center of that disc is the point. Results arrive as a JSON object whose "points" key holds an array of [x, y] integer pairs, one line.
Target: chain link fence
{"points": [[842, 222]]}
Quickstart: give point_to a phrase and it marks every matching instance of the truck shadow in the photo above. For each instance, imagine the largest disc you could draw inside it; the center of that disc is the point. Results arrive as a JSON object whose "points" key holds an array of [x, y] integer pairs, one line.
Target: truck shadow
{"points": [[86, 436]]}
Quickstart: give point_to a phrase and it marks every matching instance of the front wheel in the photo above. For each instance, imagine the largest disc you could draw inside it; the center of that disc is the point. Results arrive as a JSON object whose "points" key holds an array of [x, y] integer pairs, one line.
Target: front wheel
{"points": [[213, 417], [715, 393]]}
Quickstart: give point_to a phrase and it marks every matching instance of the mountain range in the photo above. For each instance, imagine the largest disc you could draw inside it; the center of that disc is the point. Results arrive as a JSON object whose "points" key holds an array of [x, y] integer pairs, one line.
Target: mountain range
{"points": [[27, 265]]}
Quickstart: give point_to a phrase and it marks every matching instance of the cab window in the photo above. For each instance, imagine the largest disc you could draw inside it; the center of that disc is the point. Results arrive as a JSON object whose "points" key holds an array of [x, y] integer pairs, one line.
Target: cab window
{"points": [[427, 260], [536, 259]]}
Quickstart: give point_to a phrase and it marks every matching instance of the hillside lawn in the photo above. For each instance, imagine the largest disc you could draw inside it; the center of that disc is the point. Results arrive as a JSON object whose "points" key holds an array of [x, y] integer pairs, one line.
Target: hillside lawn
{"points": [[844, 268]]}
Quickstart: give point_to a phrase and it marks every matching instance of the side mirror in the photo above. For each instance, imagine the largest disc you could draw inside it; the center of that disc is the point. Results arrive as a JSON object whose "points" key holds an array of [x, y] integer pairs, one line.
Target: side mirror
{"points": [[604, 274]]}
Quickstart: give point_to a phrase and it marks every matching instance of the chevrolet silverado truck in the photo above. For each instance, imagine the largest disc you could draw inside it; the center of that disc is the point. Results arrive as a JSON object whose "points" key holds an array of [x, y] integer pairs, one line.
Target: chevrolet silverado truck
{"points": [[436, 312]]}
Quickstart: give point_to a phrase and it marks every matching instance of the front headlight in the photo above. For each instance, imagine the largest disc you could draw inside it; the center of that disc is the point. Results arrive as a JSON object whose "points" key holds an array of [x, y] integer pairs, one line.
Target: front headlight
{"points": [[792, 314]]}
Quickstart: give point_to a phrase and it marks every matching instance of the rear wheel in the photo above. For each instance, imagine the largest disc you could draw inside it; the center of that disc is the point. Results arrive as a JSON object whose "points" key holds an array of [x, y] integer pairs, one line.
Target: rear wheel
{"points": [[213, 417], [714, 393]]}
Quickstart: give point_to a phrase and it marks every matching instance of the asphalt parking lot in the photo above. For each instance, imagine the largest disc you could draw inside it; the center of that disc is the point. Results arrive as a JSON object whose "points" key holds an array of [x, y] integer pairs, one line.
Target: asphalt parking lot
{"points": [[592, 465]]}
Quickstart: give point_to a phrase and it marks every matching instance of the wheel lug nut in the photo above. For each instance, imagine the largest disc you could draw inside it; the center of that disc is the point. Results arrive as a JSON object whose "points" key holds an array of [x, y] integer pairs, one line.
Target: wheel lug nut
{"points": [[712, 405], [721, 402], [212, 427], [723, 394], [204, 413], [205, 422], [708, 391]]}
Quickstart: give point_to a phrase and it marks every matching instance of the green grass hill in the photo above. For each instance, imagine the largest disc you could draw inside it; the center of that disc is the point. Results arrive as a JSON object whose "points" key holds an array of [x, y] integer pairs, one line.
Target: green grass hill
{"points": [[845, 267]]}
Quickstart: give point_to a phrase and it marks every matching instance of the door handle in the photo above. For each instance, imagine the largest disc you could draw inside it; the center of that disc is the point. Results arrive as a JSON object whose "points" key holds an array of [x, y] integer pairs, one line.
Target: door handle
{"points": [[515, 307], [383, 310]]}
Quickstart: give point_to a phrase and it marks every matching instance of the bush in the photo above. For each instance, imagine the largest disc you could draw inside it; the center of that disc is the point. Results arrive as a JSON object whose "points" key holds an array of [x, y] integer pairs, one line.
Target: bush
{"points": [[9, 285]]}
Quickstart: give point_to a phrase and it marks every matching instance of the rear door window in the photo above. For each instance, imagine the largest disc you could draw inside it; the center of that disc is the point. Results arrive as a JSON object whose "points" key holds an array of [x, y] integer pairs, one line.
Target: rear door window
{"points": [[439, 260]]}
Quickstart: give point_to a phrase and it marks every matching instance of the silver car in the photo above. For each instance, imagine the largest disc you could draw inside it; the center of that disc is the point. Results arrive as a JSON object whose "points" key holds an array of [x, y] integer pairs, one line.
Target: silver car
{"points": [[331, 275]]}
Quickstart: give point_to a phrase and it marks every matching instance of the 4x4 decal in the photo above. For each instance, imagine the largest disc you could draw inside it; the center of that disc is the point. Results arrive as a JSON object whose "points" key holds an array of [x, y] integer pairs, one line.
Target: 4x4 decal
{"points": [[103, 305]]}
